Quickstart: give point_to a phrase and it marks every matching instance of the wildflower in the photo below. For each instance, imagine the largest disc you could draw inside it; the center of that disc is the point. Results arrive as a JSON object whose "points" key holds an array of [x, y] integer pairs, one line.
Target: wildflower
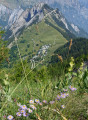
{"points": [[10, 117], [25, 114], [62, 106], [33, 107], [40, 103], [29, 110], [18, 114], [22, 111], [31, 101], [63, 96], [24, 107], [44, 101], [58, 97], [65, 90], [72, 88], [52, 102], [37, 101], [66, 94]]}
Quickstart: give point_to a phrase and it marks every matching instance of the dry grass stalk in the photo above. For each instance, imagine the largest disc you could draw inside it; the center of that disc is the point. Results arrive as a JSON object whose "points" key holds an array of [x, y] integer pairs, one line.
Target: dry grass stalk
{"points": [[38, 117], [70, 44], [0, 37], [64, 118], [7, 60], [60, 58], [0, 86], [57, 111], [37, 28]]}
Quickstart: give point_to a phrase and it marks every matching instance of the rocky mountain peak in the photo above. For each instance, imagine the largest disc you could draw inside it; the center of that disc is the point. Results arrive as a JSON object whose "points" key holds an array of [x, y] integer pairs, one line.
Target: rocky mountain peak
{"points": [[14, 16], [21, 19], [4, 10], [30, 16], [40, 4]]}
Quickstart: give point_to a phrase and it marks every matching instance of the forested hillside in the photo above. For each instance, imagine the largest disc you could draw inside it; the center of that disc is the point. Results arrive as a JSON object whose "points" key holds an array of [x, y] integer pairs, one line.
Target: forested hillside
{"points": [[78, 50], [79, 47]]}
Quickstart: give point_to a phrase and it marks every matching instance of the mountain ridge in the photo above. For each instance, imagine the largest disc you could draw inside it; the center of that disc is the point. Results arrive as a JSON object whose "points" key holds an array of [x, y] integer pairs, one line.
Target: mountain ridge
{"points": [[38, 13], [76, 12]]}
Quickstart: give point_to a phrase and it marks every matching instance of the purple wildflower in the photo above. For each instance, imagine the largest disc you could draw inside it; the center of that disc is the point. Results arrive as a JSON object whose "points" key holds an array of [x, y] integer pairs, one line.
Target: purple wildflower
{"points": [[58, 97], [65, 90], [63, 106], [37, 101], [52, 102], [33, 107], [25, 114], [64, 95], [31, 101], [24, 107], [40, 103], [10, 117], [44, 101], [29, 110], [72, 88], [22, 111], [18, 114]]}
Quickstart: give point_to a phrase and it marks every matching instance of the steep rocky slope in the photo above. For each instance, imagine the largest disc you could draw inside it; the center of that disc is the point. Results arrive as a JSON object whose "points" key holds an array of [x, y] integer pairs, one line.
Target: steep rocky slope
{"points": [[75, 11]]}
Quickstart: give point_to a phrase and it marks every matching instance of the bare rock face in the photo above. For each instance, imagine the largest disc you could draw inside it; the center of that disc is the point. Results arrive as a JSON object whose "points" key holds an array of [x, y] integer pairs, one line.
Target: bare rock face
{"points": [[9, 16], [75, 11], [18, 19], [4, 15], [21, 19], [28, 17], [14, 16]]}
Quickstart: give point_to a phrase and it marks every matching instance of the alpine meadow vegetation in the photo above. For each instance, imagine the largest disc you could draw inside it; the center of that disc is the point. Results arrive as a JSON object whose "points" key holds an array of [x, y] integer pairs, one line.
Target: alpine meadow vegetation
{"points": [[56, 91]]}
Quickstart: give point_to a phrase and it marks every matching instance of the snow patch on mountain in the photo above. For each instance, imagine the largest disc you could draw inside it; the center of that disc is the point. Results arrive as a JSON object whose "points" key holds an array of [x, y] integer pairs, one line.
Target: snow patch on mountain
{"points": [[4, 11], [75, 28], [64, 21]]}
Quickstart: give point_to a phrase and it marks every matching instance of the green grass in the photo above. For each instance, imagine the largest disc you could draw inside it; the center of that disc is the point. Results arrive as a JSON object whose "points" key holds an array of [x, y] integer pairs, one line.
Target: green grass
{"points": [[43, 83], [44, 35], [40, 85], [75, 105]]}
